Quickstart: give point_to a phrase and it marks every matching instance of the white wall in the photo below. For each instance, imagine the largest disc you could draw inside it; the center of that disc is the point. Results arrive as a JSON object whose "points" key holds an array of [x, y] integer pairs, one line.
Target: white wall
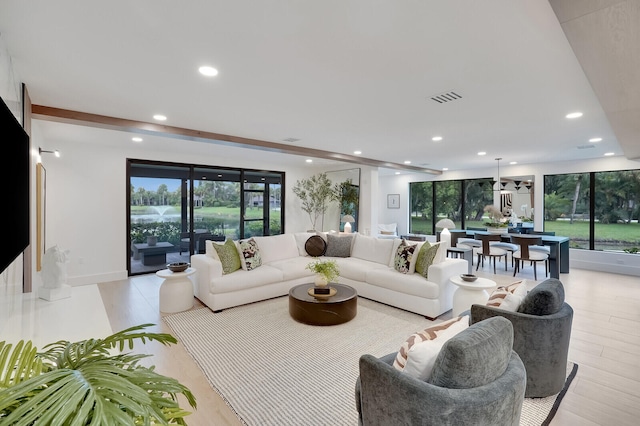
{"points": [[86, 199]]}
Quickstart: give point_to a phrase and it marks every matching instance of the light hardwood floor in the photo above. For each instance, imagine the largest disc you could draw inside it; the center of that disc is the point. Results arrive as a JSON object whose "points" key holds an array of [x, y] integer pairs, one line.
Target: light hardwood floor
{"points": [[605, 342]]}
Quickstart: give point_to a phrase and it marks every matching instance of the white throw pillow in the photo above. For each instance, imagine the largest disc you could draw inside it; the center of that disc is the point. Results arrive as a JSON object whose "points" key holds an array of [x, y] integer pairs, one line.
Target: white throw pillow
{"points": [[418, 354], [209, 250], [508, 297], [441, 254], [301, 240]]}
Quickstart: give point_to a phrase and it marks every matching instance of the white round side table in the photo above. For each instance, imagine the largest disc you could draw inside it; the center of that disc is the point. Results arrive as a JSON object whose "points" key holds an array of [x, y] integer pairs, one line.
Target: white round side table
{"points": [[469, 293], [176, 292]]}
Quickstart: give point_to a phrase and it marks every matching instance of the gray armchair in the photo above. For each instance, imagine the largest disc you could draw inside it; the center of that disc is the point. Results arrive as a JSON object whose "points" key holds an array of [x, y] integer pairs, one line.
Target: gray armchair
{"points": [[477, 379], [541, 334]]}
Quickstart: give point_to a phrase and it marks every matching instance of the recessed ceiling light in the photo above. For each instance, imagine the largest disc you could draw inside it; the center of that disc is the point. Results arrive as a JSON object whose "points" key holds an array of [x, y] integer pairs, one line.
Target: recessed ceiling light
{"points": [[609, 154], [436, 138], [482, 153], [357, 152], [444, 169], [159, 117], [397, 173], [513, 162], [407, 162], [309, 160], [576, 114], [219, 175], [208, 71], [136, 139], [262, 178], [595, 139]]}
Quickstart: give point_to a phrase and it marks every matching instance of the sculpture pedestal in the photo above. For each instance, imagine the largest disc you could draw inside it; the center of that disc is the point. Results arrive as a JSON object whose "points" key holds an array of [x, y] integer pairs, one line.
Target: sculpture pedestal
{"points": [[52, 294]]}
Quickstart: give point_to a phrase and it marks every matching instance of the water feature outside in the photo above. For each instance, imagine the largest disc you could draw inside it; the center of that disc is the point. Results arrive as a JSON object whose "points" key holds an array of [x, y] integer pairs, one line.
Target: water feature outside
{"points": [[162, 214]]}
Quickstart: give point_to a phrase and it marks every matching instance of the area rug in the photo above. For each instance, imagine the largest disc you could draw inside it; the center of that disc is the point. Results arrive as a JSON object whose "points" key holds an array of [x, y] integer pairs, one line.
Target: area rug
{"points": [[272, 370]]}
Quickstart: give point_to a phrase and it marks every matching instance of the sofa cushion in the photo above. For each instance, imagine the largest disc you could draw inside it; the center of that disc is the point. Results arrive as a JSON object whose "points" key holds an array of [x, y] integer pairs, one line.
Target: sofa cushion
{"points": [[413, 284], [544, 299], [250, 257], [301, 239], [293, 269], [508, 297], [315, 246], [243, 280], [356, 269], [404, 256], [372, 249], [277, 247], [339, 245], [418, 353], [228, 256], [487, 344]]}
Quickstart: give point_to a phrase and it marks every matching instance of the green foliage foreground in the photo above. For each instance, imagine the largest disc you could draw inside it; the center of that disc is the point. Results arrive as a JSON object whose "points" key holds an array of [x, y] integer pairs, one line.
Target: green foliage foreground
{"points": [[81, 383]]}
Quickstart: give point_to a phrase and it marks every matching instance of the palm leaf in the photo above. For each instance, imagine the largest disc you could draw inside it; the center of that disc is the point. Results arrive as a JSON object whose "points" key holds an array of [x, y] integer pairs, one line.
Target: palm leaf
{"points": [[81, 383]]}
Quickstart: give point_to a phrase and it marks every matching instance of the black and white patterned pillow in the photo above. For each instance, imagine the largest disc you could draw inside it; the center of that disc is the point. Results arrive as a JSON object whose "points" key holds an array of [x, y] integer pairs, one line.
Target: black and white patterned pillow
{"points": [[404, 256], [251, 254]]}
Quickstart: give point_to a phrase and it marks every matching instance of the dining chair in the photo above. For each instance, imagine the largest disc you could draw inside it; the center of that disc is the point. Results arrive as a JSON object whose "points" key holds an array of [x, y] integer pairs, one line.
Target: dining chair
{"points": [[526, 254], [487, 250]]}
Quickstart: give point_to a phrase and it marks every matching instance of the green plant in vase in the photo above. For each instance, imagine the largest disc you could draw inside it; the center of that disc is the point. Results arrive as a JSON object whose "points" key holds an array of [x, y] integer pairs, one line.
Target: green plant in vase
{"points": [[326, 271], [82, 383]]}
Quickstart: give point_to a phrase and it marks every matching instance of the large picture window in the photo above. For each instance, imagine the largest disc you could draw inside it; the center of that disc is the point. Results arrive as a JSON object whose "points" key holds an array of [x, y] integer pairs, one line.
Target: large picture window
{"points": [[462, 201], [597, 210]]}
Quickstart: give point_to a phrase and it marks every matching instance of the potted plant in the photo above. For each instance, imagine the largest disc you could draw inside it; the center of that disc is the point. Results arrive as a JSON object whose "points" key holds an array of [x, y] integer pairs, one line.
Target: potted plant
{"points": [[326, 271], [83, 383], [315, 193], [497, 222]]}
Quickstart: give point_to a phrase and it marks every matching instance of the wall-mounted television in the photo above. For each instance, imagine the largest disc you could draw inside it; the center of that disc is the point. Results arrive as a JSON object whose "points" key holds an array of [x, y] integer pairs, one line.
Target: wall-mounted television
{"points": [[15, 181]]}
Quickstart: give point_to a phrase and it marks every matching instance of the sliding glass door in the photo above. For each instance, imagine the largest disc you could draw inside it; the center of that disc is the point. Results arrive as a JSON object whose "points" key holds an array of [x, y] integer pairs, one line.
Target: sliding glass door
{"points": [[158, 215], [174, 208]]}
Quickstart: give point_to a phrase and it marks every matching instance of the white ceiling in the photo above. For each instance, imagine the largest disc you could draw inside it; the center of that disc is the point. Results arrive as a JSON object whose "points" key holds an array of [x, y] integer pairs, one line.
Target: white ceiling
{"points": [[338, 75]]}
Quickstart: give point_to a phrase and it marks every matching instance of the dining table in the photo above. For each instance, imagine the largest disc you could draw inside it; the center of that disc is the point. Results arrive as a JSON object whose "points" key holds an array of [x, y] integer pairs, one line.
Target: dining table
{"points": [[558, 249]]}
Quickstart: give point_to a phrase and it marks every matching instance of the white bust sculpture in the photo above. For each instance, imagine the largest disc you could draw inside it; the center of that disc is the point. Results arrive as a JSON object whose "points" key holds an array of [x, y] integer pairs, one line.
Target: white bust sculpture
{"points": [[54, 268]]}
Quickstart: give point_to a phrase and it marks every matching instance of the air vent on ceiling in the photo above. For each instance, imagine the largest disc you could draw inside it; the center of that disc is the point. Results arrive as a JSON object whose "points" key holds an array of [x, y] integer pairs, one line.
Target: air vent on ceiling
{"points": [[585, 146], [445, 97], [291, 140]]}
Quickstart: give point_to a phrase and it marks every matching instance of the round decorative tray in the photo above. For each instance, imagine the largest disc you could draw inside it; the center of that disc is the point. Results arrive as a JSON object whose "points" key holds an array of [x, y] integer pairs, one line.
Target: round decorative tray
{"points": [[178, 266], [468, 277], [332, 292]]}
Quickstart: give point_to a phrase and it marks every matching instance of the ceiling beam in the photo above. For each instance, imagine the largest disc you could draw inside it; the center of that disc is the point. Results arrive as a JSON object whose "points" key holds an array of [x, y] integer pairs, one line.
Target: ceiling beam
{"points": [[59, 115]]}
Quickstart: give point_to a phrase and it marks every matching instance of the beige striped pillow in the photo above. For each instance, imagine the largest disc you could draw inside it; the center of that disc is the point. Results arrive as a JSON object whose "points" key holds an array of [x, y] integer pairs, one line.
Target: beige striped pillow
{"points": [[442, 332], [508, 297]]}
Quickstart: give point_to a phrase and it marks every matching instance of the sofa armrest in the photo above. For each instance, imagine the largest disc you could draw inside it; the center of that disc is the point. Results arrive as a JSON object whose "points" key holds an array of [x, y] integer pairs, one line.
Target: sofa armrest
{"points": [[207, 268], [440, 273]]}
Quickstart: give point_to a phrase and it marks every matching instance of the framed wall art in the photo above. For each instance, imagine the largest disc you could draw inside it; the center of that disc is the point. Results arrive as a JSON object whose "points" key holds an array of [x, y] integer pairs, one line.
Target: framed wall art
{"points": [[393, 201]]}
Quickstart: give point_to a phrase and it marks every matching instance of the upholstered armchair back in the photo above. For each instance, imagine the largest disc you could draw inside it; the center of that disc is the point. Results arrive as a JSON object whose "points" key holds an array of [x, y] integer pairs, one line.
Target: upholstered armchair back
{"points": [[541, 335]]}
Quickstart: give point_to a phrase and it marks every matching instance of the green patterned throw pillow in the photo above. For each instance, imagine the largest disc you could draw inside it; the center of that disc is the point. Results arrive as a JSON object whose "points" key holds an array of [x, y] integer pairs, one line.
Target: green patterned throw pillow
{"points": [[229, 257], [425, 258], [250, 253]]}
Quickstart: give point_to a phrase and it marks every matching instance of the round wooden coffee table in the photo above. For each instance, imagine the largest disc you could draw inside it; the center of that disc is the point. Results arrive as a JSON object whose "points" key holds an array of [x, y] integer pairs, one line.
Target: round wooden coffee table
{"points": [[334, 310]]}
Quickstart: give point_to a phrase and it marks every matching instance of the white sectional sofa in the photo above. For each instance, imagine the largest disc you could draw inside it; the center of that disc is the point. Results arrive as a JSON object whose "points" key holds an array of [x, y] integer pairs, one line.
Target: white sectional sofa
{"points": [[369, 269]]}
